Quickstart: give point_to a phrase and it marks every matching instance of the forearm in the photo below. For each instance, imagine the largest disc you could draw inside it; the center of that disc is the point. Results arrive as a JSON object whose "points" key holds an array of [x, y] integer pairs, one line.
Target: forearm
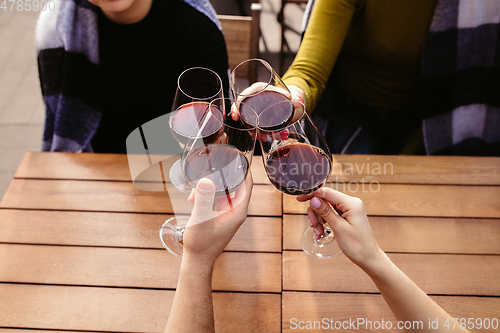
{"points": [[192, 308], [405, 299]]}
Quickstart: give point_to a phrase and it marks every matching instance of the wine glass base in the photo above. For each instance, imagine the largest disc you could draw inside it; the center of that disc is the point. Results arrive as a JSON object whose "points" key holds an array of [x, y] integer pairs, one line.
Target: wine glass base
{"points": [[177, 178], [171, 234], [320, 249]]}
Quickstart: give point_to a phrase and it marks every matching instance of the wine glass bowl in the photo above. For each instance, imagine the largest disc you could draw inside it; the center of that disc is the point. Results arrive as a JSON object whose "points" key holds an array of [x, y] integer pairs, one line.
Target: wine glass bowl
{"points": [[197, 84], [196, 88], [185, 122], [298, 161], [296, 157], [191, 116], [227, 160], [256, 83]]}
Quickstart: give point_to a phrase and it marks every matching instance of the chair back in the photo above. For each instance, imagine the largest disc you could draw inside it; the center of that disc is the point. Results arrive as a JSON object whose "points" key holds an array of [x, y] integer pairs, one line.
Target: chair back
{"points": [[242, 35]]}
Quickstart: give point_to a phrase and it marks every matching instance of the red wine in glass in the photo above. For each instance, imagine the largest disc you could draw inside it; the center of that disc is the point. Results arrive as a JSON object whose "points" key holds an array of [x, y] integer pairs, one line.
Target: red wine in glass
{"points": [[196, 115], [297, 168], [225, 165], [278, 110]]}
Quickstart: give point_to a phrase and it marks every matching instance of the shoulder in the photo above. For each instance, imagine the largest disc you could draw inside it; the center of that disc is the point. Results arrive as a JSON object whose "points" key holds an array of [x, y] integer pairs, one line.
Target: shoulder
{"points": [[46, 35], [70, 24]]}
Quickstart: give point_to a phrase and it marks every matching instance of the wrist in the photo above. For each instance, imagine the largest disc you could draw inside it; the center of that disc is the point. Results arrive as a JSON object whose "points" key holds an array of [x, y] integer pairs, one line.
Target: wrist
{"points": [[376, 264], [195, 264]]}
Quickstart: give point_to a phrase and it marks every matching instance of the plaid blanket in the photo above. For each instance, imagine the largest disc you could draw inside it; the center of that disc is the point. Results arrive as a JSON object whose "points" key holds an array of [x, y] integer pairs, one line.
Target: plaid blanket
{"points": [[461, 79], [68, 61]]}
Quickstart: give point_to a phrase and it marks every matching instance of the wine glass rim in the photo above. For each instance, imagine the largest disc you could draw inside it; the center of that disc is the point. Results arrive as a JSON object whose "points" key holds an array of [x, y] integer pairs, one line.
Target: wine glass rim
{"points": [[266, 64], [199, 98], [223, 121], [304, 114]]}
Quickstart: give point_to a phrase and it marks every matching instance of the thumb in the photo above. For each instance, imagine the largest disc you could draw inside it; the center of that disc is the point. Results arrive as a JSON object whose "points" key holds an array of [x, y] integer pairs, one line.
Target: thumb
{"points": [[203, 200]]}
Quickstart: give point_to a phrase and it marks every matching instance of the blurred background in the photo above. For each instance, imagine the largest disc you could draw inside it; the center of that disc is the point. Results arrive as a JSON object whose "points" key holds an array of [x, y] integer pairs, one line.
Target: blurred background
{"points": [[21, 108]]}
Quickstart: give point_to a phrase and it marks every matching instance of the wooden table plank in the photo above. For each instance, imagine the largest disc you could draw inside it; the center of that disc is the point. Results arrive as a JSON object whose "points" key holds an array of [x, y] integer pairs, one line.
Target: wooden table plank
{"points": [[459, 170], [14, 330], [435, 273], [416, 235], [418, 200], [384, 169], [126, 310], [117, 197], [138, 268], [305, 306], [257, 234], [115, 167]]}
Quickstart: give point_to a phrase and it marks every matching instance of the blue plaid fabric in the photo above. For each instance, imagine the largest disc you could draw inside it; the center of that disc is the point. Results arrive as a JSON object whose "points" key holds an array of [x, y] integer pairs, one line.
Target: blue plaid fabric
{"points": [[68, 59], [461, 78]]}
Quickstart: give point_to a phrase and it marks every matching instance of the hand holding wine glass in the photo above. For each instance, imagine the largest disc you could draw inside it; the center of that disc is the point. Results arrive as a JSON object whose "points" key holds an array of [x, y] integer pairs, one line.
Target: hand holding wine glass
{"points": [[347, 217], [213, 222], [297, 161], [223, 159]]}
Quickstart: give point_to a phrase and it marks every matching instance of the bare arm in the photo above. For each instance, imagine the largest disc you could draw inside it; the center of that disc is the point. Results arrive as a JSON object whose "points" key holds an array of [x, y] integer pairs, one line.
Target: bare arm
{"points": [[405, 299], [192, 309], [206, 235], [347, 217]]}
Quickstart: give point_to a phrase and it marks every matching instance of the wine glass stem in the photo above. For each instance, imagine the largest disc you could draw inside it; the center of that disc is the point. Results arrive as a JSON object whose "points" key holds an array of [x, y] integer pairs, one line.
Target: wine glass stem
{"points": [[180, 235], [327, 236]]}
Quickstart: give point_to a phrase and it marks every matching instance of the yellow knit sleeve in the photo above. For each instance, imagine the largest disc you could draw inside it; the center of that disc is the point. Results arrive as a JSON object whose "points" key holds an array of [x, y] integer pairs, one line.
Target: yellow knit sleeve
{"points": [[323, 39]]}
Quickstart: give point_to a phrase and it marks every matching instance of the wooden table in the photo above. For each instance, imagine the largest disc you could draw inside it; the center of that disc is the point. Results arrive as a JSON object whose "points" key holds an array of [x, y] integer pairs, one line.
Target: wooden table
{"points": [[79, 247]]}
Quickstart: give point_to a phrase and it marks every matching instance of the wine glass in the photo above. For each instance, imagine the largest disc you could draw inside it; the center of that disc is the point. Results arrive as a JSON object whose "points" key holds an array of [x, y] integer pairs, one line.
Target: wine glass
{"points": [[297, 161], [196, 88], [256, 83], [224, 159]]}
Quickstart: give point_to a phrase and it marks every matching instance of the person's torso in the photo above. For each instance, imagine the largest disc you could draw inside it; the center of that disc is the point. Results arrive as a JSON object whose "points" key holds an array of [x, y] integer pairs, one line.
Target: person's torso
{"points": [[380, 60]]}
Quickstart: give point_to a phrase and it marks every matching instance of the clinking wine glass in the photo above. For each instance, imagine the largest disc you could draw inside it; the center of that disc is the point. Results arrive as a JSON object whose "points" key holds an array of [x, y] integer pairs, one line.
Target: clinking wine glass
{"points": [[297, 161], [256, 83], [225, 161], [196, 88]]}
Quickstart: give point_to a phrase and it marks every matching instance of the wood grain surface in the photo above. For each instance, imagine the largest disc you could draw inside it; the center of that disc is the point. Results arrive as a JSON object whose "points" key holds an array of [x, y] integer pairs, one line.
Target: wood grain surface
{"points": [[434, 273], [384, 169], [305, 306], [417, 169], [108, 167], [80, 249], [418, 200], [125, 309], [138, 268], [416, 234], [257, 234], [100, 196]]}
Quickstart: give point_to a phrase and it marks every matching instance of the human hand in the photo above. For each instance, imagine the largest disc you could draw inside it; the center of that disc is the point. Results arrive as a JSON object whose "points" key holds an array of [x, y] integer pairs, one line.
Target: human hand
{"points": [[210, 226], [347, 217]]}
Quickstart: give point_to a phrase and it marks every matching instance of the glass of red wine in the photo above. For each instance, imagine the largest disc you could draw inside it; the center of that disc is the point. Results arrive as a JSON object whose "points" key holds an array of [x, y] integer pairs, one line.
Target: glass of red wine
{"points": [[225, 159], [297, 161], [256, 83], [196, 88]]}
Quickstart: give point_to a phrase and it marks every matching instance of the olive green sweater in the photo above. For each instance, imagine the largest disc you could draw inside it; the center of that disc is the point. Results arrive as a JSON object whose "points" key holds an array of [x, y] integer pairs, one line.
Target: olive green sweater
{"points": [[376, 46]]}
